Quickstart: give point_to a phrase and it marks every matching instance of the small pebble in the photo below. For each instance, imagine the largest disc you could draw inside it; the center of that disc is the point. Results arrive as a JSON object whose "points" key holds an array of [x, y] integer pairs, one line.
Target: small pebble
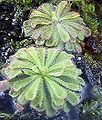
{"points": [[79, 58]]}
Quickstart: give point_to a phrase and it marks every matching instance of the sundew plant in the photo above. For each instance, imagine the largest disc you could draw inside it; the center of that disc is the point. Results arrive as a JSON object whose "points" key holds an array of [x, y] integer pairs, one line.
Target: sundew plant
{"points": [[51, 25], [44, 77]]}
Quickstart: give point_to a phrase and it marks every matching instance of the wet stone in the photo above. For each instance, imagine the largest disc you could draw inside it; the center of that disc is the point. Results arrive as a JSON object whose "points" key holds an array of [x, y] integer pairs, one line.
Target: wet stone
{"points": [[6, 103]]}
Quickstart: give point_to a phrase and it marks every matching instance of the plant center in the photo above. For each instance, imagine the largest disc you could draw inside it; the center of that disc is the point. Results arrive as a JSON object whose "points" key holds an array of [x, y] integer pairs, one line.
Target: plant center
{"points": [[43, 71]]}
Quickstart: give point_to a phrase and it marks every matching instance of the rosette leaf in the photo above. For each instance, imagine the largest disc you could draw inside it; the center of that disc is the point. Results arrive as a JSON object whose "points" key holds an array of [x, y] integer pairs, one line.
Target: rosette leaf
{"points": [[54, 25], [45, 78]]}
